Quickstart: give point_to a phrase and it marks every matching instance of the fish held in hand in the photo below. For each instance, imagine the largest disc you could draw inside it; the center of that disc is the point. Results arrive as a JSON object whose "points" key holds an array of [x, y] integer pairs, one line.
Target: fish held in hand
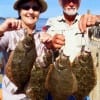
{"points": [[36, 87], [60, 80], [84, 70], [21, 62]]}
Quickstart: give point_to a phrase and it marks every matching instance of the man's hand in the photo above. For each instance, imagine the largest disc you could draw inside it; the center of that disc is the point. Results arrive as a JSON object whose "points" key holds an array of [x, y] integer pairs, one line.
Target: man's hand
{"points": [[58, 41], [10, 24], [55, 42], [86, 21]]}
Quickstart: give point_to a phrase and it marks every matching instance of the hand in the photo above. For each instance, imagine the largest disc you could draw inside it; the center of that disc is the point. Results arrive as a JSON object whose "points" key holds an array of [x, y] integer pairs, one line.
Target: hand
{"points": [[46, 39], [10, 24], [58, 41], [55, 42], [86, 21]]}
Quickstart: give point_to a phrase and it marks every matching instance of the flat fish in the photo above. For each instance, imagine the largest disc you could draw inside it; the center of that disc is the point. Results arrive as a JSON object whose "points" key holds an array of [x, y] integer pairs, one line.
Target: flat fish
{"points": [[36, 86], [35, 89], [84, 70], [94, 33], [77, 77], [21, 62], [60, 80]]}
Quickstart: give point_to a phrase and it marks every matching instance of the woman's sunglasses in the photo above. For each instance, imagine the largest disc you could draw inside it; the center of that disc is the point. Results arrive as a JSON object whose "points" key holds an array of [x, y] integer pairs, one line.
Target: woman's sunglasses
{"points": [[33, 7]]}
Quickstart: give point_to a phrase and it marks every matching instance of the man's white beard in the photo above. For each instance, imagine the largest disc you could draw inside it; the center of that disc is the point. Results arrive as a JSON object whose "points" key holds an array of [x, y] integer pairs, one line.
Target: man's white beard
{"points": [[70, 12]]}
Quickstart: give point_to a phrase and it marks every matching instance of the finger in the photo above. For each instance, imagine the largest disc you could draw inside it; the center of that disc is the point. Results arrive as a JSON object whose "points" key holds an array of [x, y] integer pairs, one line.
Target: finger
{"points": [[59, 42], [13, 24], [19, 24], [60, 37], [45, 37], [91, 21], [57, 46]]}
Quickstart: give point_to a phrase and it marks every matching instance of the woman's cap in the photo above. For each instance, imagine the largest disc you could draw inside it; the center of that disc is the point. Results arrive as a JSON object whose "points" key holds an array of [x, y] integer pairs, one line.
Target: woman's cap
{"points": [[41, 2]]}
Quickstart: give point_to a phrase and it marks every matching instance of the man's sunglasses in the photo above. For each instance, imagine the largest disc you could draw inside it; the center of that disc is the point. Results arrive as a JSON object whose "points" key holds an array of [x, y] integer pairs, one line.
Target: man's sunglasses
{"points": [[74, 1], [27, 7]]}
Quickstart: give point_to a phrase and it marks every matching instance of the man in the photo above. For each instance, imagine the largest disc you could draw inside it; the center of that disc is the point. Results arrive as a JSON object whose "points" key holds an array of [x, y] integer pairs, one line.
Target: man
{"points": [[69, 15], [65, 29]]}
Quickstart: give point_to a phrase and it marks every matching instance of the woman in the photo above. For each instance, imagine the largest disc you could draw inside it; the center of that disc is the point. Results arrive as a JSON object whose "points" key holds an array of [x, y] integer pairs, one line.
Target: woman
{"points": [[29, 12]]}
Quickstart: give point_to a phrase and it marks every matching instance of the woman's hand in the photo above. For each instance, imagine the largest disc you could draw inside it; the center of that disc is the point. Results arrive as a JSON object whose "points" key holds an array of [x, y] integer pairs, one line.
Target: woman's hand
{"points": [[58, 41], [10, 24]]}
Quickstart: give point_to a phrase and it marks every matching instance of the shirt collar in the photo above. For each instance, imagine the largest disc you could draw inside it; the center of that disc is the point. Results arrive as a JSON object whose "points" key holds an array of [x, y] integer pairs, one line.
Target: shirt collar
{"points": [[62, 18]]}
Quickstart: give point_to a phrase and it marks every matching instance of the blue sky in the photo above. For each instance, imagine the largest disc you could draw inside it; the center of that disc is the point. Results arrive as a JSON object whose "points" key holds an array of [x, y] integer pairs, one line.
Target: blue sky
{"points": [[6, 8]]}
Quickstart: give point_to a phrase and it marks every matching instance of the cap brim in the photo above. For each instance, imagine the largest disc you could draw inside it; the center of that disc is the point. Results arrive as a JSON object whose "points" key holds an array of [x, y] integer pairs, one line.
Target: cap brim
{"points": [[42, 2]]}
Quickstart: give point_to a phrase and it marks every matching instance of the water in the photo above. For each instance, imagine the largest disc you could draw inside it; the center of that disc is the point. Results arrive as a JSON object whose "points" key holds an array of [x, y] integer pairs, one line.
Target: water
{"points": [[41, 23]]}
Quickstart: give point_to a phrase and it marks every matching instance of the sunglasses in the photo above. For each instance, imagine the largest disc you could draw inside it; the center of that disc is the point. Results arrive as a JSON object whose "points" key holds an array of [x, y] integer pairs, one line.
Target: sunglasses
{"points": [[74, 1], [33, 7]]}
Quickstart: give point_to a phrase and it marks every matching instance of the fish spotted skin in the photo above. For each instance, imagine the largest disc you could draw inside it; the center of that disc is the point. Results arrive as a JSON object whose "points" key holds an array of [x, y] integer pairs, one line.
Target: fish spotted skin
{"points": [[21, 62], [83, 69], [60, 80], [35, 89]]}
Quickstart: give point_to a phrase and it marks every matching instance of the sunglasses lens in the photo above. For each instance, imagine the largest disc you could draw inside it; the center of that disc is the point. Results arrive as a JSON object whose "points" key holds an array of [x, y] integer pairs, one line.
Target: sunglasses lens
{"points": [[36, 8], [27, 7], [74, 1]]}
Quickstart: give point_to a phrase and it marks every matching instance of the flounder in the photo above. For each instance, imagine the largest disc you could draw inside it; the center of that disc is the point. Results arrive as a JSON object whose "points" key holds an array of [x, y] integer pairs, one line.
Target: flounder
{"points": [[60, 80], [36, 87], [21, 61], [67, 77], [84, 70]]}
